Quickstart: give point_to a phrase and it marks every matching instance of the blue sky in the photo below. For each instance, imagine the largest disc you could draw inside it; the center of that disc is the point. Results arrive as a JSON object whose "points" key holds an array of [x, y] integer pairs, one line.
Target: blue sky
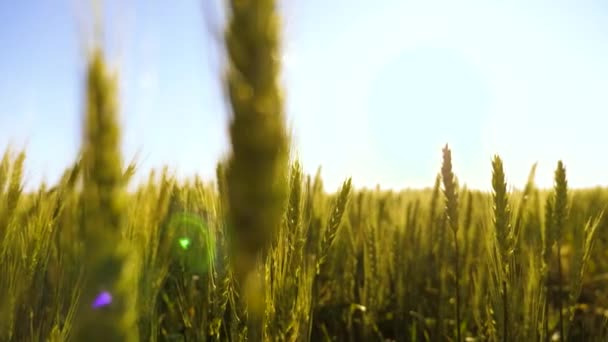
{"points": [[374, 89]]}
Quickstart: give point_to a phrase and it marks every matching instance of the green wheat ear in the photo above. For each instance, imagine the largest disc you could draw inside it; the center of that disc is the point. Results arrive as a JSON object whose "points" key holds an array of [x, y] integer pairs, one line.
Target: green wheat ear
{"points": [[501, 205], [103, 207], [559, 211], [257, 170], [504, 237], [335, 219], [561, 199], [450, 189], [548, 234]]}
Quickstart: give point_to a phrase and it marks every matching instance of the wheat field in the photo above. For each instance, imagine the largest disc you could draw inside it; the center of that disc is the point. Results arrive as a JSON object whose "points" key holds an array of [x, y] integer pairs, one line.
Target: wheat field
{"points": [[263, 253]]}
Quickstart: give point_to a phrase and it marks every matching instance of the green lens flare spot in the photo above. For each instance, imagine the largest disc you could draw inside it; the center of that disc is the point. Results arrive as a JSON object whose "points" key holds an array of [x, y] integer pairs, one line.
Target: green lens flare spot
{"points": [[184, 243], [192, 241]]}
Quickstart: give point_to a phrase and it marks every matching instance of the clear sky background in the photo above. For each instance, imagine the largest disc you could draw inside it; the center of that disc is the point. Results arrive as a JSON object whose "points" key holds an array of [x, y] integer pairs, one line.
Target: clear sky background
{"points": [[374, 88]]}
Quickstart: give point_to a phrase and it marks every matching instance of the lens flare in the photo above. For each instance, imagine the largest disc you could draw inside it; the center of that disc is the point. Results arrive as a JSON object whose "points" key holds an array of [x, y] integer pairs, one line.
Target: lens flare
{"points": [[194, 245], [103, 299], [184, 242]]}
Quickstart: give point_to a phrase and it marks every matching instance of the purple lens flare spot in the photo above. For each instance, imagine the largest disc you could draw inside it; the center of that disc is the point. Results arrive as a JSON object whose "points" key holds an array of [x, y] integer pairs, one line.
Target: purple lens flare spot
{"points": [[103, 299]]}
